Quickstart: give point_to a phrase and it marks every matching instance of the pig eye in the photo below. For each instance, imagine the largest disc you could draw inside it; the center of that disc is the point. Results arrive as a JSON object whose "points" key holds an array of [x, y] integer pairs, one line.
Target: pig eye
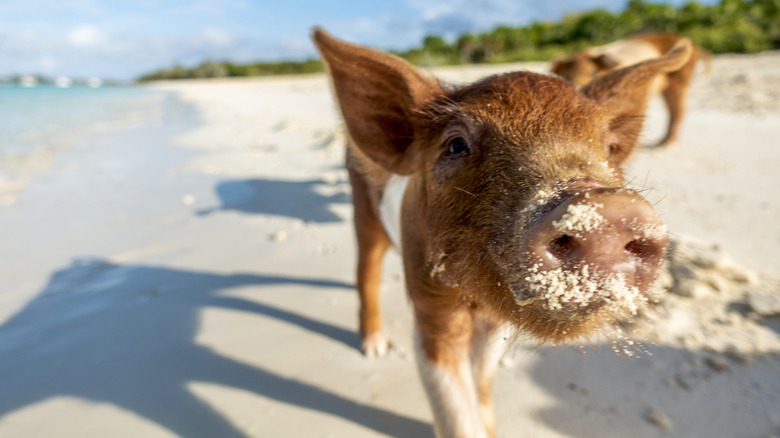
{"points": [[458, 146]]}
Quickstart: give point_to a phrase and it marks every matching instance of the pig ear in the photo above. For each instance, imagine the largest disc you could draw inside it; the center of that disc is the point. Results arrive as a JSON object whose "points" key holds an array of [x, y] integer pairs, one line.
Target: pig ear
{"points": [[605, 62], [379, 95], [559, 65], [624, 94]]}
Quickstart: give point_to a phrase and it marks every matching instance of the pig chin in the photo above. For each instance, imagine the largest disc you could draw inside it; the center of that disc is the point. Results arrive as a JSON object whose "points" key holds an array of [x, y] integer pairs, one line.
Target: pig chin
{"points": [[559, 305]]}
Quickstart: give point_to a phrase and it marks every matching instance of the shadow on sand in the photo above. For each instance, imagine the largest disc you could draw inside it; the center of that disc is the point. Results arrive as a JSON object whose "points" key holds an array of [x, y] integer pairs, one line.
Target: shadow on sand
{"points": [[703, 394], [124, 335], [294, 199]]}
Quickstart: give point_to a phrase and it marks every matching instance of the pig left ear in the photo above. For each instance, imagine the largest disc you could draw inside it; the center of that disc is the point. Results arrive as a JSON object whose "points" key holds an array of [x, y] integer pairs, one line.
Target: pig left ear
{"points": [[380, 96], [624, 94]]}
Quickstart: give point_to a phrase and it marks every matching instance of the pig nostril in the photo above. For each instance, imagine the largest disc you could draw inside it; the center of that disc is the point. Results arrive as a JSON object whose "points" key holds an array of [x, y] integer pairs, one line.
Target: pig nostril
{"points": [[642, 248], [562, 247]]}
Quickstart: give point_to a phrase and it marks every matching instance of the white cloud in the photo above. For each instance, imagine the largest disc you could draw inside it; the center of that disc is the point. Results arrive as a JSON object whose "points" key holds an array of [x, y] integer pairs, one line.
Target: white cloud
{"points": [[84, 35], [36, 6], [296, 47], [216, 36], [126, 46], [451, 18], [210, 8], [448, 18], [477, 12]]}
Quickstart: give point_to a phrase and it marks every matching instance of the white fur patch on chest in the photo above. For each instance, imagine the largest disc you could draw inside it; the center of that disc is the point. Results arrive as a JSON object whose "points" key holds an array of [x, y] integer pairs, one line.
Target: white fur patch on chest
{"points": [[390, 207]]}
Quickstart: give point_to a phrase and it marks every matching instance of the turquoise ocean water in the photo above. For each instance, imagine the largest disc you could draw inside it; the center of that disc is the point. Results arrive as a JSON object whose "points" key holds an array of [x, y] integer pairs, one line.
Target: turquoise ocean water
{"points": [[47, 117]]}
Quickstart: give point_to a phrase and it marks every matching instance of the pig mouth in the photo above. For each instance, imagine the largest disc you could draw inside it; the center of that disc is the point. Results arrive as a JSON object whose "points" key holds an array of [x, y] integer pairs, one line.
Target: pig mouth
{"points": [[560, 306], [583, 291]]}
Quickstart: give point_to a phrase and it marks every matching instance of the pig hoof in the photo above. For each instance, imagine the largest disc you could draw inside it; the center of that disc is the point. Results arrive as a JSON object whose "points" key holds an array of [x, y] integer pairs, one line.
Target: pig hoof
{"points": [[375, 345]]}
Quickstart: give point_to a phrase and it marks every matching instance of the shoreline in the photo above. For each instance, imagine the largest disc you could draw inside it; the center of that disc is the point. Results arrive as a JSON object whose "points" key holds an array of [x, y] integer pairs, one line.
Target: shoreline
{"points": [[91, 188], [21, 167]]}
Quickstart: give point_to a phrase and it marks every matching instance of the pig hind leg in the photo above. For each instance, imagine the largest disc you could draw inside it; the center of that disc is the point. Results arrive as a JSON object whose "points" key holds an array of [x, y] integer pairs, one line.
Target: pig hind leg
{"points": [[373, 243], [675, 95]]}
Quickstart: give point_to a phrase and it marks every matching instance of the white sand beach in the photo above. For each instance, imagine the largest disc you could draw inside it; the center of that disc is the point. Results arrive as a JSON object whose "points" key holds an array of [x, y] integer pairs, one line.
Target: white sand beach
{"points": [[191, 274]]}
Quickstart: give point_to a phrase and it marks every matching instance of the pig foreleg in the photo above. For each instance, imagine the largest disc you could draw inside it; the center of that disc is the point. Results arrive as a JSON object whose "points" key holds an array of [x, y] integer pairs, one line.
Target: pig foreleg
{"points": [[451, 381]]}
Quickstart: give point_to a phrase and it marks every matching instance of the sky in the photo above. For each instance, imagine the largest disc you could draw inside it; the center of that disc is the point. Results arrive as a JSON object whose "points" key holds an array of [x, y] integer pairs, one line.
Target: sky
{"points": [[119, 39]]}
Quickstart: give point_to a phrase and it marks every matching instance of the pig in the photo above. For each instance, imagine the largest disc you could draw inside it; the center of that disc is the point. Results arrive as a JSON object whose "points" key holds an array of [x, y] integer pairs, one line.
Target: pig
{"points": [[584, 66], [506, 201]]}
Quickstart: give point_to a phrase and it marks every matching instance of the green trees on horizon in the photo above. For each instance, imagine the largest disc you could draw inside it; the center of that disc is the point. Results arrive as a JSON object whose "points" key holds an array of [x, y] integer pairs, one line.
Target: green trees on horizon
{"points": [[741, 26]]}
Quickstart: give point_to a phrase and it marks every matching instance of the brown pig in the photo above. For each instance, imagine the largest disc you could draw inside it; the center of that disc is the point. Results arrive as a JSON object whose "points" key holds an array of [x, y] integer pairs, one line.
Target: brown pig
{"points": [[584, 66], [506, 201]]}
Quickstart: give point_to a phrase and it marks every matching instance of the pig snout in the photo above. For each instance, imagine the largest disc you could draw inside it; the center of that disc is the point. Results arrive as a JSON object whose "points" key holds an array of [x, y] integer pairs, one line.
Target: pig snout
{"points": [[601, 246]]}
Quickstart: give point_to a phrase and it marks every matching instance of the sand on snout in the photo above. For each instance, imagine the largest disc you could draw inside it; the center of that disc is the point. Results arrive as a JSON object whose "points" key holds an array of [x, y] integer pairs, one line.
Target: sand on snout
{"points": [[584, 285], [560, 288], [580, 217]]}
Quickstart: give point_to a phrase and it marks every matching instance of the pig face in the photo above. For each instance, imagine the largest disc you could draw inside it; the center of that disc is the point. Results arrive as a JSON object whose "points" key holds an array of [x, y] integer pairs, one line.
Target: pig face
{"points": [[505, 158]]}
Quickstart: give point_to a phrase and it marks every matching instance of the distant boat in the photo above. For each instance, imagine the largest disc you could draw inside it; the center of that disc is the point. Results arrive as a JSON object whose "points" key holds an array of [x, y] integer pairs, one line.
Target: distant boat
{"points": [[94, 82], [28, 81], [63, 82]]}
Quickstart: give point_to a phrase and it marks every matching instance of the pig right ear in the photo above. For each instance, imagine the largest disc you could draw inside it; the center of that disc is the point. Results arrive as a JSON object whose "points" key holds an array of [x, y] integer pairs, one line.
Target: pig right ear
{"points": [[560, 66], [624, 94], [380, 96]]}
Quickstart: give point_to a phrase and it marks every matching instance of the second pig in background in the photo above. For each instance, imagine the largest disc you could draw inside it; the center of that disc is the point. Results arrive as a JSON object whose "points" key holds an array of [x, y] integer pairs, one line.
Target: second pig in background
{"points": [[584, 66]]}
